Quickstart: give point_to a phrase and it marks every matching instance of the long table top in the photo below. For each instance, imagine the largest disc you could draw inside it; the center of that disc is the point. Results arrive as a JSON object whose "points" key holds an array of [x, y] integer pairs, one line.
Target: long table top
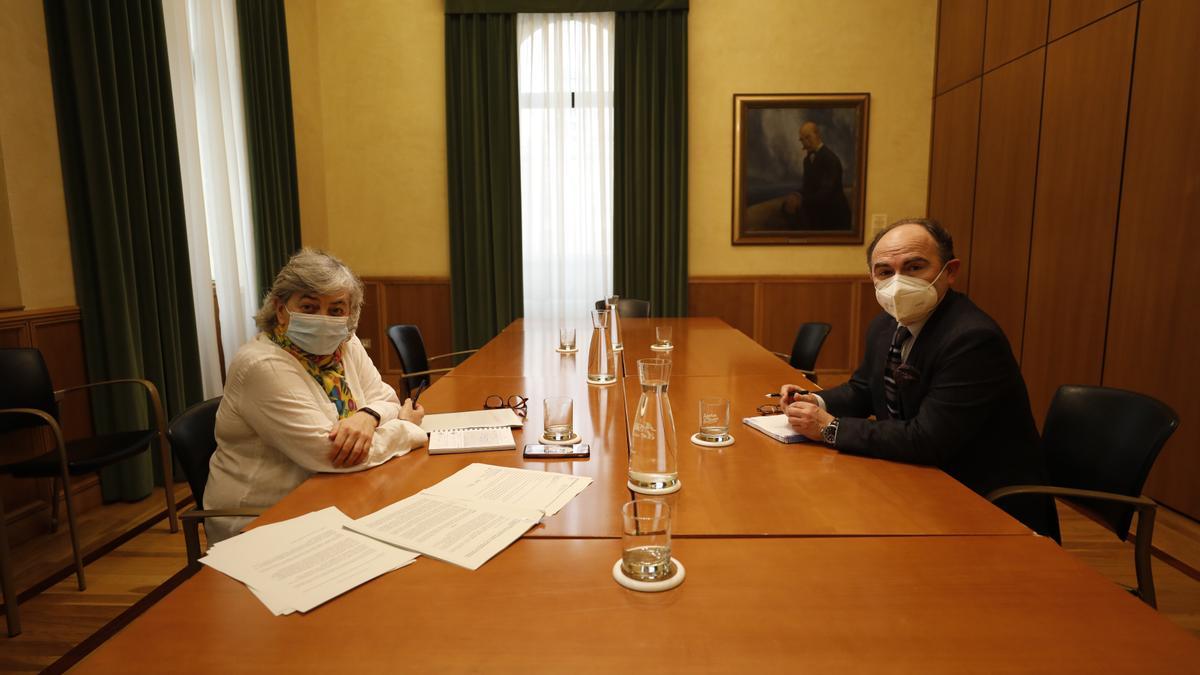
{"points": [[797, 556], [872, 605]]}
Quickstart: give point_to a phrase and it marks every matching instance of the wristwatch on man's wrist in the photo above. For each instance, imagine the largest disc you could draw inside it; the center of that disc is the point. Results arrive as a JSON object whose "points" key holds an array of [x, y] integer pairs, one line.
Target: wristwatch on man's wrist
{"points": [[372, 413], [829, 433]]}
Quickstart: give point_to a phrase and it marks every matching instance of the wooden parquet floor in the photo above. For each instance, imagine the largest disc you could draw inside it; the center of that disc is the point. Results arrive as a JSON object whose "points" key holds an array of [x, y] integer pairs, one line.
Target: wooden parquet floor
{"points": [[57, 620]]}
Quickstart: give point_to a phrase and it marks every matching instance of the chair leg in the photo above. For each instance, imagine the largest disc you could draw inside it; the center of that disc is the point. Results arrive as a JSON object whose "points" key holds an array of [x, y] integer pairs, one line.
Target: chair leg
{"points": [[168, 471], [54, 505], [6, 580], [1141, 556], [191, 539], [71, 525]]}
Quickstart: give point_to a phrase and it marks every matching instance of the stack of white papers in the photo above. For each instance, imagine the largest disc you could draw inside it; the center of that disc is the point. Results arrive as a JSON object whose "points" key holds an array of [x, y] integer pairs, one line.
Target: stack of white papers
{"points": [[472, 515], [298, 564]]}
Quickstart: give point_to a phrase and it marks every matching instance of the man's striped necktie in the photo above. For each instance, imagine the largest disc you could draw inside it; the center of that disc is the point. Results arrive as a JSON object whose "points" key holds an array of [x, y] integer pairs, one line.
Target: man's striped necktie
{"points": [[890, 391]]}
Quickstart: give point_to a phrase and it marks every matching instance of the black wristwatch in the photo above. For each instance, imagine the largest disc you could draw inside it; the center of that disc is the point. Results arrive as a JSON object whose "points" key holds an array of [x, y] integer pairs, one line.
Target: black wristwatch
{"points": [[829, 433], [372, 413]]}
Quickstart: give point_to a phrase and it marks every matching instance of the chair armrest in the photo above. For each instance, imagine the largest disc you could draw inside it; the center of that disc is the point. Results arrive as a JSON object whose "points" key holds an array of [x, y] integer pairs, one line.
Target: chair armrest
{"points": [[427, 372], [783, 356], [201, 514], [1138, 502], [160, 418], [449, 354]]}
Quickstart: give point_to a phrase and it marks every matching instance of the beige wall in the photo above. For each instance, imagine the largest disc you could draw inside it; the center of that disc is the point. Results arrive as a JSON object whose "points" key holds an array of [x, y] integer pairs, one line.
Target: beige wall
{"points": [[382, 127], [380, 140], [32, 168], [10, 282], [884, 47]]}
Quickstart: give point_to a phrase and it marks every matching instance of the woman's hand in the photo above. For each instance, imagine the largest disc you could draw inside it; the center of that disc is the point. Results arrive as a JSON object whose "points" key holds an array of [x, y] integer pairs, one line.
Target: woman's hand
{"points": [[410, 413], [351, 437]]}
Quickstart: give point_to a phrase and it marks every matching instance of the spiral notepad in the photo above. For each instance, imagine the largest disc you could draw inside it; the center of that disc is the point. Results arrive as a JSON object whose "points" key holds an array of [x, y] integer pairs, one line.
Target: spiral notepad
{"points": [[480, 439]]}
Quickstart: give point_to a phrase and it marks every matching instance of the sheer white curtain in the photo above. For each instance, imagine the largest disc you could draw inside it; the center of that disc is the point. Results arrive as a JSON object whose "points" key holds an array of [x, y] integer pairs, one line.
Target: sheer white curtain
{"points": [[206, 81], [565, 83]]}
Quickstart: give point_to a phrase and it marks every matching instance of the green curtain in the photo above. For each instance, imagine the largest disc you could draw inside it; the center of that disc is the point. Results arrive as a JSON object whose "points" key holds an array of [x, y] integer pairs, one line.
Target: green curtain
{"points": [[559, 6], [112, 94], [484, 166], [650, 160], [270, 137]]}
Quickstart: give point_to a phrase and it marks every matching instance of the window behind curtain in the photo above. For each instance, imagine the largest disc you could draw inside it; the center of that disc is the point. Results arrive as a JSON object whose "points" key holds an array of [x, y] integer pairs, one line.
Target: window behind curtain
{"points": [[565, 84]]}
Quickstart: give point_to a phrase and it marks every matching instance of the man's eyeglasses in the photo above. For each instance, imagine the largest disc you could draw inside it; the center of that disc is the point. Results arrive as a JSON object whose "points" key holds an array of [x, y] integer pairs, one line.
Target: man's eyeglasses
{"points": [[768, 409], [518, 403]]}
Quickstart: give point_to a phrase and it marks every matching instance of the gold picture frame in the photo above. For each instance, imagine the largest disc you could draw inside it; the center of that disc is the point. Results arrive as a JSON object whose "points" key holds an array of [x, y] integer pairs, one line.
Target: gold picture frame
{"points": [[799, 168]]}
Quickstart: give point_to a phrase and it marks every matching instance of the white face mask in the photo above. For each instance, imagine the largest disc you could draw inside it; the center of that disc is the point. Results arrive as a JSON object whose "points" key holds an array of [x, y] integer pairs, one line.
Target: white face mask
{"points": [[317, 334], [908, 299]]}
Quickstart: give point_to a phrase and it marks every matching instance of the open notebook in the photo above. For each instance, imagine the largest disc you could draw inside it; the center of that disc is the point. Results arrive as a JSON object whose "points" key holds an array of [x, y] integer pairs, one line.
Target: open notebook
{"points": [[448, 441]]}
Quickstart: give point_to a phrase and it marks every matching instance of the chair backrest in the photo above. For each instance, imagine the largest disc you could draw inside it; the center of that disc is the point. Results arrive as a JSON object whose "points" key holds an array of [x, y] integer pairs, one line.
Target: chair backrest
{"points": [[26, 385], [410, 347], [630, 308], [807, 346], [1099, 438], [193, 438]]}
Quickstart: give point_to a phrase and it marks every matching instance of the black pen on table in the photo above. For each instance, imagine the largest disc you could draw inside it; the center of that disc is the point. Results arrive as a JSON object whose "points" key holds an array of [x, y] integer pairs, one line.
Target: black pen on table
{"points": [[798, 392]]}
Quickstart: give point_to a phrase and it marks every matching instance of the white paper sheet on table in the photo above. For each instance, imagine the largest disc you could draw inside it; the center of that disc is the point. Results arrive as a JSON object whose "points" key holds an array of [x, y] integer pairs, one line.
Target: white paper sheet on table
{"points": [[301, 563], [474, 514]]}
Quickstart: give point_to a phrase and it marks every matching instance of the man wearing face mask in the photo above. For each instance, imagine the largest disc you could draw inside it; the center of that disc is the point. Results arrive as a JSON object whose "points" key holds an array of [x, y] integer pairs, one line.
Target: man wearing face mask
{"points": [[303, 396], [939, 378]]}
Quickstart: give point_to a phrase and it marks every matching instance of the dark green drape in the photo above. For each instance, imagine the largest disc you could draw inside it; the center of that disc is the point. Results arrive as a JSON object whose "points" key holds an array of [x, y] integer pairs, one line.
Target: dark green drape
{"points": [[650, 160], [270, 136], [483, 157], [112, 93]]}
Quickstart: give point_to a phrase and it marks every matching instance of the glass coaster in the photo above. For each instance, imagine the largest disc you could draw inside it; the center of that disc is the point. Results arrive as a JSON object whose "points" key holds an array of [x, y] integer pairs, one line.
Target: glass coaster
{"points": [[650, 586], [655, 491], [712, 444], [570, 441]]}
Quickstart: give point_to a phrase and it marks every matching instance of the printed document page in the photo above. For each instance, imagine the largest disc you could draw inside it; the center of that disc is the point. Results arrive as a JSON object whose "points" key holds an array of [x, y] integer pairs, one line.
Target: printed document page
{"points": [[472, 419], [304, 562], [467, 534], [539, 490]]}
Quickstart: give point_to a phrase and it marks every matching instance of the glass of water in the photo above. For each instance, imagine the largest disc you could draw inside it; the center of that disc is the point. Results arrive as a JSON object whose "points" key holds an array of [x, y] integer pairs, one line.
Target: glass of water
{"points": [[566, 339], [559, 418], [662, 337], [646, 540], [714, 419]]}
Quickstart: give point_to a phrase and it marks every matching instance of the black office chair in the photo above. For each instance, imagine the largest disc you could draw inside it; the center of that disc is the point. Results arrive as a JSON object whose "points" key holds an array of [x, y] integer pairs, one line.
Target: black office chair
{"points": [[28, 400], [1099, 444], [807, 347], [629, 308], [410, 347], [194, 441]]}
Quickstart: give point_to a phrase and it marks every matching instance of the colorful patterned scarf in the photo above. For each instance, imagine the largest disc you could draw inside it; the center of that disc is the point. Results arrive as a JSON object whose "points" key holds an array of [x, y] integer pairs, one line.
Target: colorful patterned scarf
{"points": [[328, 371]]}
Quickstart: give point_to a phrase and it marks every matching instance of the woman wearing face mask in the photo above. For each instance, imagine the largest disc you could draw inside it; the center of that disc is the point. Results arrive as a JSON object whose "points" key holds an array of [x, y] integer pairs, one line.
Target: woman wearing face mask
{"points": [[303, 396]]}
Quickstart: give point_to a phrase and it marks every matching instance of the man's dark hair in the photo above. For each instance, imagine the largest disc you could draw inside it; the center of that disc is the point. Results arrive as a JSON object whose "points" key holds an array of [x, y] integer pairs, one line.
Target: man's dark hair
{"points": [[945, 243]]}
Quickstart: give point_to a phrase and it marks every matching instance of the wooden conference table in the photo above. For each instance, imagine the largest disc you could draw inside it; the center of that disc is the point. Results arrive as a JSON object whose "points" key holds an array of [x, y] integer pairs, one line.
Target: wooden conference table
{"points": [[798, 558]]}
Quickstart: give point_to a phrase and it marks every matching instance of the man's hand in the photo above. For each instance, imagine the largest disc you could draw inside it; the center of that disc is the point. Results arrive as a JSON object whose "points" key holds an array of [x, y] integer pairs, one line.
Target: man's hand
{"points": [[351, 437], [410, 413], [789, 394], [805, 415]]}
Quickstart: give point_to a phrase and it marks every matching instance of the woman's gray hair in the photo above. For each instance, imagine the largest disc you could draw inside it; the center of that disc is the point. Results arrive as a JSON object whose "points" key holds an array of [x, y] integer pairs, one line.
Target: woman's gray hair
{"points": [[311, 271]]}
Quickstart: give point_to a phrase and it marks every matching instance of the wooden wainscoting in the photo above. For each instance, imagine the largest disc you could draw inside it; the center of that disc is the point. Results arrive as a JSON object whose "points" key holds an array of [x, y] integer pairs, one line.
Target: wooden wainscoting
{"points": [[58, 333], [770, 309], [423, 301]]}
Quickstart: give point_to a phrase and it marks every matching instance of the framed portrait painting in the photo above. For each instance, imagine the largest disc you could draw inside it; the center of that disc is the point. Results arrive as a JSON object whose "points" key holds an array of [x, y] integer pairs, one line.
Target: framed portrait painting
{"points": [[799, 168]]}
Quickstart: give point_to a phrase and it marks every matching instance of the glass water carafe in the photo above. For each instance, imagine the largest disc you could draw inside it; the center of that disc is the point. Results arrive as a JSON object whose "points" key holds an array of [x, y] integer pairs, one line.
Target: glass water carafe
{"points": [[602, 360], [614, 321], [653, 467]]}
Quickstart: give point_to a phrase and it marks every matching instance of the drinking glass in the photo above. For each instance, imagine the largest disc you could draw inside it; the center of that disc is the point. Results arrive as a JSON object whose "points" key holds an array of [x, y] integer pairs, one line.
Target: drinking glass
{"points": [[566, 339], [714, 419], [646, 540], [559, 418], [662, 335]]}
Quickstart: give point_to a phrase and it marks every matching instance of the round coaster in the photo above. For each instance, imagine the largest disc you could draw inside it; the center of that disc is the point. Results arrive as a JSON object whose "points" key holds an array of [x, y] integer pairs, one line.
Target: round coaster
{"points": [[570, 441], [659, 348], [655, 491], [711, 444], [602, 384], [650, 586], [560, 350]]}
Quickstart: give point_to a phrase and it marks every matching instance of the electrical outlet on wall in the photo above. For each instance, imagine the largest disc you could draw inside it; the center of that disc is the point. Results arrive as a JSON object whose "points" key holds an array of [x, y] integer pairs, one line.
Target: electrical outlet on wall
{"points": [[878, 222]]}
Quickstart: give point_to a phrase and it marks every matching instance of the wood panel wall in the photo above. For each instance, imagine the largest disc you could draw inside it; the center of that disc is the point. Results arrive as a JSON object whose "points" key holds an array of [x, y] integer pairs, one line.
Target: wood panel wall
{"points": [[423, 301], [58, 333], [1084, 181]]}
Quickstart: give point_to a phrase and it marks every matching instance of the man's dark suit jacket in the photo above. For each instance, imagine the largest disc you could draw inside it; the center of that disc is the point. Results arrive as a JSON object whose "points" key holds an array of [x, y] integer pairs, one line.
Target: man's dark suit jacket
{"points": [[964, 405], [823, 205]]}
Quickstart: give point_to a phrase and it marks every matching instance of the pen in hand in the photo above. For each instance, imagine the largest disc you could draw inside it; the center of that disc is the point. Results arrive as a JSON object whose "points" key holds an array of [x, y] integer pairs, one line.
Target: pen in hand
{"points": [[416, 394], [798, 392]]}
